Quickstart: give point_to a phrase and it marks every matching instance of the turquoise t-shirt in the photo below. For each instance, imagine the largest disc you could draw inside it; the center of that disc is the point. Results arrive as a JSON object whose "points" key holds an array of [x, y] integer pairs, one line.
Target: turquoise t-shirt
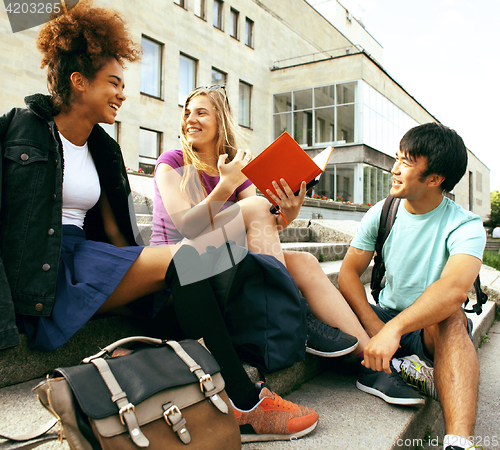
{"points": [[419, 246]]}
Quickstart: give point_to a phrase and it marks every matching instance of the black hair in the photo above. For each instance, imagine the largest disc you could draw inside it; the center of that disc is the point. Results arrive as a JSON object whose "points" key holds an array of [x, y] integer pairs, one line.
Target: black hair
{"points": [[444, 149]]}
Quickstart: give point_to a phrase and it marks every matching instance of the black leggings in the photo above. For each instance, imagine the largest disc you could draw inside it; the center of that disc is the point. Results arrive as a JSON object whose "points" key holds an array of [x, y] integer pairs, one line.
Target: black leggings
{"points": [[199, 316]]}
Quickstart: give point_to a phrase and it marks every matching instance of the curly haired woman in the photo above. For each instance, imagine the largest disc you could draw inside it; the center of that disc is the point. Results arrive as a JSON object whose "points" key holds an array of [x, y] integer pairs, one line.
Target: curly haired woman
{"points": [[67, 241], [68, 247]]}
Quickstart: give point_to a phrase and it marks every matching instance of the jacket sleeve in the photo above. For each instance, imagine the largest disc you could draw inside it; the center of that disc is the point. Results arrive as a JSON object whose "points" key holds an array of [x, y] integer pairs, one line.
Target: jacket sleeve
{"points": [[9, 335]]}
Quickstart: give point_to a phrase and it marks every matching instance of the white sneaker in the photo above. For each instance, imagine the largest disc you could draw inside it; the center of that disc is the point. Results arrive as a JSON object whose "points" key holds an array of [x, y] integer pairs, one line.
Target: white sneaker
{"points": [[418, 375]]}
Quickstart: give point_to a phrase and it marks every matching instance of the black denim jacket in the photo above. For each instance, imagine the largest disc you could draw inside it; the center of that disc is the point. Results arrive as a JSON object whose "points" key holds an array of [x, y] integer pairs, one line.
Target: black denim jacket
{"points": [[31, 170]]}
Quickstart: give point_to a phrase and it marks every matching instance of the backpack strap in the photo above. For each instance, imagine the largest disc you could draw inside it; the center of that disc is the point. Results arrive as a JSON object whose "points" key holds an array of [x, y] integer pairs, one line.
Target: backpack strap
{"points": [[481, 298], [387, 218]]}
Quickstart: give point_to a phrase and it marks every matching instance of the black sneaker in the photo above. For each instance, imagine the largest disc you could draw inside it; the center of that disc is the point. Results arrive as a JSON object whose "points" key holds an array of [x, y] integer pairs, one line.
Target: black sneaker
{"points": [[453, 447], [390, 388], [324, 340]]}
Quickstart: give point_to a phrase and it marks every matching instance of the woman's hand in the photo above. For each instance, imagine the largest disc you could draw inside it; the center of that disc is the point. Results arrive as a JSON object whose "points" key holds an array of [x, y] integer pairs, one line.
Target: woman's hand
{"points": [[230, 174], [288, 202]]}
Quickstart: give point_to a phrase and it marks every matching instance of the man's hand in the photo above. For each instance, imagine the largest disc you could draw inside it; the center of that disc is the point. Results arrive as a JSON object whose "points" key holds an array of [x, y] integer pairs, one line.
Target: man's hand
{"points": [[381, 348]]}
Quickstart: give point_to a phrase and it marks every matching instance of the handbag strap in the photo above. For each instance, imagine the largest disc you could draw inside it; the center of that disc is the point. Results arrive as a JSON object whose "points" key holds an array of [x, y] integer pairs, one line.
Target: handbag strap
{"points": [[206, 384], [109, 349], [32, 434], [126, 410]]}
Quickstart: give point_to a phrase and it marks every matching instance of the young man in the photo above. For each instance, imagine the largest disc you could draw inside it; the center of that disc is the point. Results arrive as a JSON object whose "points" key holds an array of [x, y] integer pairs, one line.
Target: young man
{"points": [[432, 257]]}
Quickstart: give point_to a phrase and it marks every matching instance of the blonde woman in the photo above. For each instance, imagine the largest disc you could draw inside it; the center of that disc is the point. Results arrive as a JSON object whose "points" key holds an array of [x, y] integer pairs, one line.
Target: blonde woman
{"points": [[202, 198]]}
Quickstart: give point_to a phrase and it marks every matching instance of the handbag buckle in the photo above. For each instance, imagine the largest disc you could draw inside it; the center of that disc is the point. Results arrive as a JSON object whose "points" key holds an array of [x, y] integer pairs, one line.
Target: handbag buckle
{"points": [[203, 379], [125, 409], [172, 411]]}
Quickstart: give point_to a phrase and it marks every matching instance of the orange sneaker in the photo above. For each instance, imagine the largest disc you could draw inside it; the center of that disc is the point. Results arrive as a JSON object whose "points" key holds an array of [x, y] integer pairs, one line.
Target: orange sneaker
{"points": [[275, 419]]}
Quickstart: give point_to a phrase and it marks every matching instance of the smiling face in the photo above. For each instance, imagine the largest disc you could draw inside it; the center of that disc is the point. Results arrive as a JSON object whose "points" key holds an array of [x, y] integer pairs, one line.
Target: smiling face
{"points": [[200, 124], [103, 95], [407, 176]]}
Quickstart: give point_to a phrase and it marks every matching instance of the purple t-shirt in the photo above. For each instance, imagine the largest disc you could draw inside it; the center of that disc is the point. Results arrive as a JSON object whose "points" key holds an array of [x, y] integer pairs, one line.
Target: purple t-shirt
{"points": [[164, 230]]}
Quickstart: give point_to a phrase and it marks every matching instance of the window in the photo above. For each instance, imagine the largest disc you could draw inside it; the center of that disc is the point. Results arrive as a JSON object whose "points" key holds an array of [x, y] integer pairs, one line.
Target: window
{"points": [[151, 67], [149, 149], [218, 77], [233, 23], [217, 18], [245, 104], [479, 181], [199, 8], [112, 130], [317, 116], [376, 184], [181, 3], [187, 77], [384, 124], [249, 32]]}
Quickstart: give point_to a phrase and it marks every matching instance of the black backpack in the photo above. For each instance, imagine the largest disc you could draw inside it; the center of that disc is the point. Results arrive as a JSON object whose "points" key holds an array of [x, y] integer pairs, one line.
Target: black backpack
{"points": [[387, 218]]}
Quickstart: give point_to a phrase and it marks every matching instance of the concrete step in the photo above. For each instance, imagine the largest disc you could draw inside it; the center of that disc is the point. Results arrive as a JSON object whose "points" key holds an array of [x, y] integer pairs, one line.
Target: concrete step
{"points": [[299, 232], [296, 234], [492, 244], [143, 208], [328, 251], [144, 219]]}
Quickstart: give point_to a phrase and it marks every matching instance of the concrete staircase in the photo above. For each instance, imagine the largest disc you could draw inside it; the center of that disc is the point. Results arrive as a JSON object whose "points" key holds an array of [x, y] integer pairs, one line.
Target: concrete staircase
{"points": [[348, 418]]}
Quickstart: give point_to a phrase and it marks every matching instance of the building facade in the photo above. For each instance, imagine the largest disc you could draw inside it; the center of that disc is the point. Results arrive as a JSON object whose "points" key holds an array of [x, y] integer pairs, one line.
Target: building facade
{"points": [[285, 68]]}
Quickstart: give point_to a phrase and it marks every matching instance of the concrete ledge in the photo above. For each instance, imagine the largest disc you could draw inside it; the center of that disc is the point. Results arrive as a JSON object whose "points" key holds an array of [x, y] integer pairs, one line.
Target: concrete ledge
{"points": [[22, 363], [288, 379], [296, 234], [329, 251]]}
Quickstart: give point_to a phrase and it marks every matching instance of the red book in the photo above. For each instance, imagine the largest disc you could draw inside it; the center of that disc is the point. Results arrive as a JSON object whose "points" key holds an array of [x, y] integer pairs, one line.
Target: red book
{"points": [[286, 159]]}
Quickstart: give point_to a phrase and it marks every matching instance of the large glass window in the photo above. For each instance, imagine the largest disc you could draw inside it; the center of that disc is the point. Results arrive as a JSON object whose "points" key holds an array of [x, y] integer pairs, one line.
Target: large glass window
{"points": [[376, 184], [149, 149], [233, 23], [325, 124], [245, 105], [337, 182], [181, 3], [384, 124], [323, 115], [151, 67], [187, 77], [302, 117], [217, 14], [249, 32], [199, 8]]}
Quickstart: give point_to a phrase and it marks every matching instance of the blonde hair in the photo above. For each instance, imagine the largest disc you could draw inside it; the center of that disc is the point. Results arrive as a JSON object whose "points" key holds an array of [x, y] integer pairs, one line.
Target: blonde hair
{"points": [[229, 140]]}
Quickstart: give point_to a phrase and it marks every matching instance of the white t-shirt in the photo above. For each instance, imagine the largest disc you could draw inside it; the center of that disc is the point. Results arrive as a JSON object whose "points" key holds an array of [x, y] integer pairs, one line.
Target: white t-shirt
{"points": [[418, 247], [81, 187]]}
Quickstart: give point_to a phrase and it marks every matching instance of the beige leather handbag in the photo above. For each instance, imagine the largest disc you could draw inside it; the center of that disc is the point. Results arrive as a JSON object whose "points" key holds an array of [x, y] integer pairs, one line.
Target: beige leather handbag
{"points": [[162, 395]]}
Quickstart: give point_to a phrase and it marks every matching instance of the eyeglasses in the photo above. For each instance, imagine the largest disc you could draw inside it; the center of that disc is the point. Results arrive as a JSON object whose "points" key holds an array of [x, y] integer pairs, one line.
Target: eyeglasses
{"points": [[210, 88]]}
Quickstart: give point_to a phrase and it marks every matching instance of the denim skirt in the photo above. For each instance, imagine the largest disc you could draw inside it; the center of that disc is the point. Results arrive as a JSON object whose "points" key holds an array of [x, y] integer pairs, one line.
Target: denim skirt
{"points": [[88, 273]]}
